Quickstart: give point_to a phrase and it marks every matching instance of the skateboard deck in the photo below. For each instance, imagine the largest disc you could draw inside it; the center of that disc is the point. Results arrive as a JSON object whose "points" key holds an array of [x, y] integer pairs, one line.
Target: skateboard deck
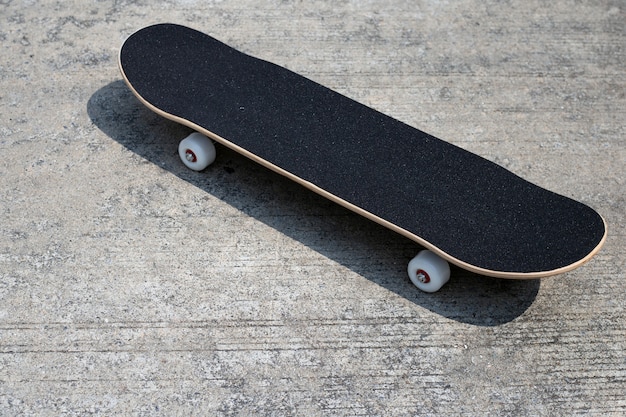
{"points": [[466, 209]]}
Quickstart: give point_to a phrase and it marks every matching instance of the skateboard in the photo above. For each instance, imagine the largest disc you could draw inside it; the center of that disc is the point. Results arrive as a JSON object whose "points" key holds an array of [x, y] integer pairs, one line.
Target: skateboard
{"points": [[462, 208]]}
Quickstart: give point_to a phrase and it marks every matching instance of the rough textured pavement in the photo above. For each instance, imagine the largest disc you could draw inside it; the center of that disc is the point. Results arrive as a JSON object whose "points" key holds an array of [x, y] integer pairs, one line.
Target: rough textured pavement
{"points": [[132, 286]]}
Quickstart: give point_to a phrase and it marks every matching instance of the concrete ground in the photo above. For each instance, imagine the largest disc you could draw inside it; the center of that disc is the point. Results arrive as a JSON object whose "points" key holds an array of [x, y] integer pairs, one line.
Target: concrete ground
{"points": [[132, 286]]}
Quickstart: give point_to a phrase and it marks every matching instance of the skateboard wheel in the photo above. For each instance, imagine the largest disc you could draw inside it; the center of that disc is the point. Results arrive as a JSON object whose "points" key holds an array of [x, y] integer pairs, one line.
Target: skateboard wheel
{"points": [[428, 272], [196, 151]]}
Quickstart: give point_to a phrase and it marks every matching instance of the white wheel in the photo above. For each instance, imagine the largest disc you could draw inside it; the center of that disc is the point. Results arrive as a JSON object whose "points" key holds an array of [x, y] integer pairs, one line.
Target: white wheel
{"points": [[196, 151], [428, 272]]}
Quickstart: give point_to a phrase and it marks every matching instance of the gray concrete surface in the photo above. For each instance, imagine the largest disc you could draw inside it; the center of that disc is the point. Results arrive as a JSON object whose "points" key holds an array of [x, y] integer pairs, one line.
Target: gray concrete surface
{"points": [[131, 286]]}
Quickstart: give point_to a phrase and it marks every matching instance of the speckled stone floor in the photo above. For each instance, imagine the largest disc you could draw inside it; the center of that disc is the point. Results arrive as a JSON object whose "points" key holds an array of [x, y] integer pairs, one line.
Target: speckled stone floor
{"points": [[130, 285]]}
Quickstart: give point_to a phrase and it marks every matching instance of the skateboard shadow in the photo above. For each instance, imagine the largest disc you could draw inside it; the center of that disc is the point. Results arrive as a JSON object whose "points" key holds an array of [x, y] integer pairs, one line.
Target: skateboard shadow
{"points": [[362, 246]]}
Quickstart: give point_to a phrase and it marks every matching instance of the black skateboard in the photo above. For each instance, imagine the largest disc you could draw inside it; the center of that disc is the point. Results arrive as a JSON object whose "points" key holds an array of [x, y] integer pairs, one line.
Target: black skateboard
{"points": [[463, 208]]}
